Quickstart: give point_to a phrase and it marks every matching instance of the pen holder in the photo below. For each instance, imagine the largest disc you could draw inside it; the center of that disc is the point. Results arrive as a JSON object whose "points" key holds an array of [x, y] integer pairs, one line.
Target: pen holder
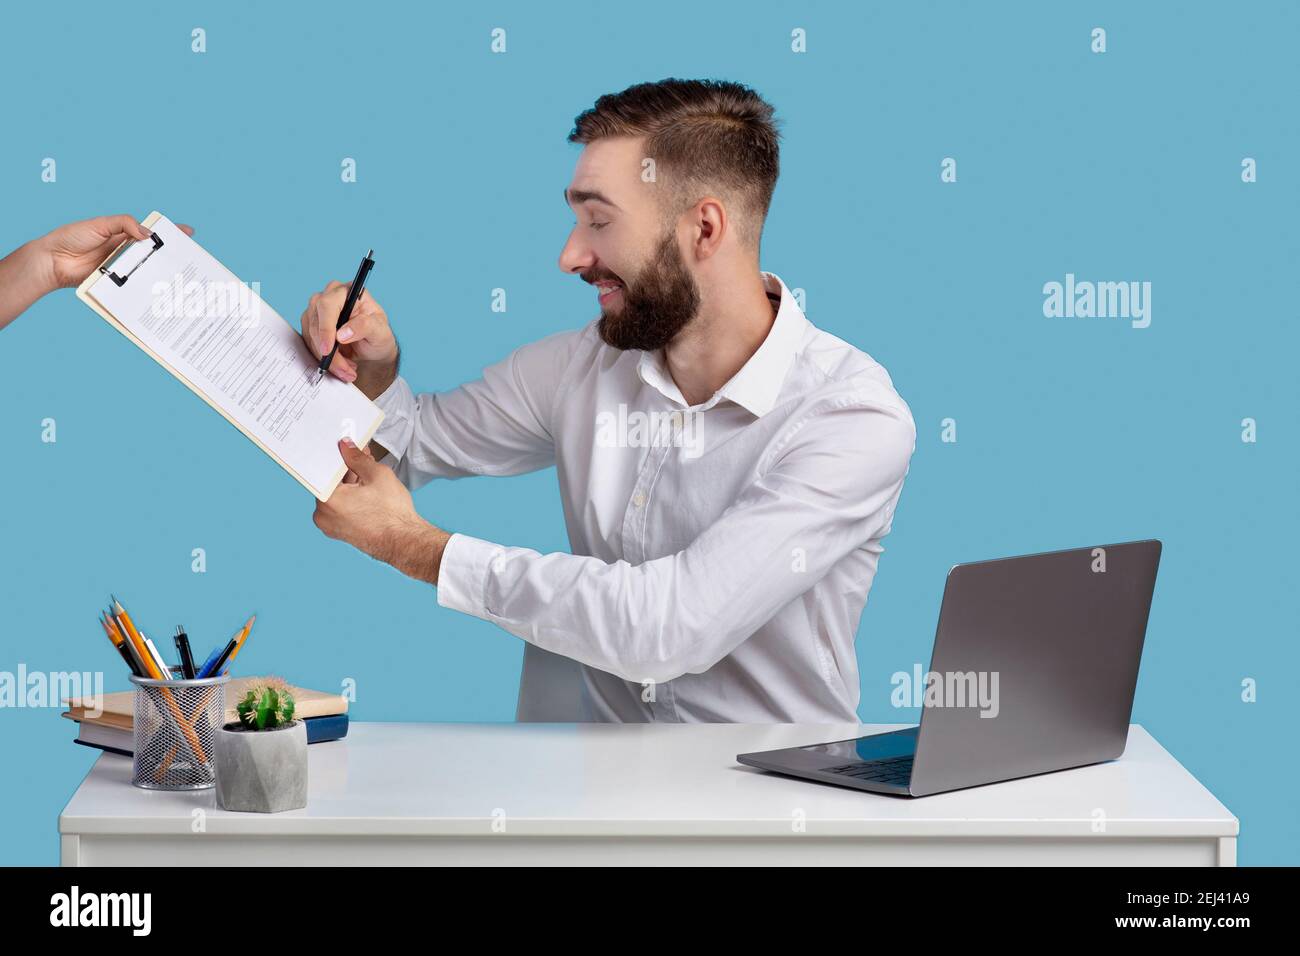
{"points": [[176, 725]]}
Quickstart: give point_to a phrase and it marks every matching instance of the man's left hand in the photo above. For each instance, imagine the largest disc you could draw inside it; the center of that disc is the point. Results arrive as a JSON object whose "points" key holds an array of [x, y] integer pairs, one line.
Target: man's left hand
{"points": [[372, 511]]}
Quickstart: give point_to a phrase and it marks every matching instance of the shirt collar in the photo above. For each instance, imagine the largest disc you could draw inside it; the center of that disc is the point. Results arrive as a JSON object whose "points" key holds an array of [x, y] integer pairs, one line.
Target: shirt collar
{"points": [[758, 383]]}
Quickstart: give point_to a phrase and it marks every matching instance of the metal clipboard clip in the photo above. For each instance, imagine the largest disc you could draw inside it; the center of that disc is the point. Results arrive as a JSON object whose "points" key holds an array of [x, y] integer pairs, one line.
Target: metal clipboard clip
{"points": [[120, 280]]}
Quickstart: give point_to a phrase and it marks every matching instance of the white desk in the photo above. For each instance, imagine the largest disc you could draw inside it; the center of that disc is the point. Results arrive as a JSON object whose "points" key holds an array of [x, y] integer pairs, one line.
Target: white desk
{"points": [[646, 794]]}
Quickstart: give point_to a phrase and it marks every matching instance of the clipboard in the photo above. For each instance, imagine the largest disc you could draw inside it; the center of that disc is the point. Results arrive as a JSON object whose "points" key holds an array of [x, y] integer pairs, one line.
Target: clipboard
{"points": [[130, 262]]}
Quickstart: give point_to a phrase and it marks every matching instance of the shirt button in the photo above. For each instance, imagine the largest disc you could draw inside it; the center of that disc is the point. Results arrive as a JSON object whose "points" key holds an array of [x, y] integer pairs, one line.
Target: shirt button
{"points": [[638, 499], [677, 419]]}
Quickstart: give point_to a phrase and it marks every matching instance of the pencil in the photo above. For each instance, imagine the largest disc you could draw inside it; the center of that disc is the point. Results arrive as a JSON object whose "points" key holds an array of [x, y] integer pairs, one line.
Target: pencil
{"points": [[239, 642], [171, 751], [214, 667], [119, 644], [133, 635], [137, 648]]}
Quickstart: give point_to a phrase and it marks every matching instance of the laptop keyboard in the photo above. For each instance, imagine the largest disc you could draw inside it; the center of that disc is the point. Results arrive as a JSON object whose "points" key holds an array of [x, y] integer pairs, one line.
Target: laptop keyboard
{"points": [[885, 770]]}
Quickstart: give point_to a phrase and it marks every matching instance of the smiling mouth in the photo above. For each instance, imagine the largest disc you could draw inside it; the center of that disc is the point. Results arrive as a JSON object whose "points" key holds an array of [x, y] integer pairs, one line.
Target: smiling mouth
{"points": [[607, 290]]}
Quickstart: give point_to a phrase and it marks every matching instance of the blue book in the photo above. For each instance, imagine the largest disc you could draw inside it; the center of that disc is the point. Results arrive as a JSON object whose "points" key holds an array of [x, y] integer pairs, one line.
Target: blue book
{"points": [[328, 727]]}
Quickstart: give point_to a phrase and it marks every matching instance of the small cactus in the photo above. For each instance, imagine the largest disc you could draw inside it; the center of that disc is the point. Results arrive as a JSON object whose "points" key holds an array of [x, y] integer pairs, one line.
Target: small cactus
{"points": [[266, 706]]}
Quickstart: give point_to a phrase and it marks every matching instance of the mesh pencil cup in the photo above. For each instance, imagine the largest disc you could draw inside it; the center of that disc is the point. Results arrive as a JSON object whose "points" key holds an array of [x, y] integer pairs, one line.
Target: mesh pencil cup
{"points": [[176, 725]]}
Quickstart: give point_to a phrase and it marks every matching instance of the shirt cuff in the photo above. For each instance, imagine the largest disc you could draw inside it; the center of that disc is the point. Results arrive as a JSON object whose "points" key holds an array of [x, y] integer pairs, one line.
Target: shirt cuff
{"points": [[463, 574], [399, 407]]}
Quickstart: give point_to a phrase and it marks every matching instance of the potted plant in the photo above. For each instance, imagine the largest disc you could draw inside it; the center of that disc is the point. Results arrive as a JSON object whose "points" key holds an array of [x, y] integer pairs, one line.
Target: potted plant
{"points": [[261, 758]]}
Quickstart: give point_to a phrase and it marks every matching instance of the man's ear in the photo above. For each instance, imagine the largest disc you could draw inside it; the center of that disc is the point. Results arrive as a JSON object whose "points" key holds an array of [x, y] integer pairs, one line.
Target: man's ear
{"points": [[711, 225]]}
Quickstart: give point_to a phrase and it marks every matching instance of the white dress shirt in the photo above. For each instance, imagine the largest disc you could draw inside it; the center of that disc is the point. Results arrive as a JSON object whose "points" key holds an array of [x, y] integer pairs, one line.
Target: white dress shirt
{"points": [[722, 553]]}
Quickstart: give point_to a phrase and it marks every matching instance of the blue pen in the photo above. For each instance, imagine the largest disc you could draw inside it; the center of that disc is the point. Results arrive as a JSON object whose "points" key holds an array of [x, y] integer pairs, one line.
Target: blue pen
{"points": [[212, 659], [219, 664]]}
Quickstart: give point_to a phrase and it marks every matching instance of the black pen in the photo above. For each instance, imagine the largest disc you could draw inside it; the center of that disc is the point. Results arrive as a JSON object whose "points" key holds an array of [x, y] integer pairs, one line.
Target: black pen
{"points": [[220, 662], [187, 657], [354, 293]]}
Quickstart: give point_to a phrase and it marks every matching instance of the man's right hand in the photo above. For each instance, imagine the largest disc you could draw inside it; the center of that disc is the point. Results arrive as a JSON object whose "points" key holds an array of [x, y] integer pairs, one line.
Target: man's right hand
{"points": [[367, 351]]}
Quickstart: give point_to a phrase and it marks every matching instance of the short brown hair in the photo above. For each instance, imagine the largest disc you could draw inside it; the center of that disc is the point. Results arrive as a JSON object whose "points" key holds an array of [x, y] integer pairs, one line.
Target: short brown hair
{"points": [[706, 134]]}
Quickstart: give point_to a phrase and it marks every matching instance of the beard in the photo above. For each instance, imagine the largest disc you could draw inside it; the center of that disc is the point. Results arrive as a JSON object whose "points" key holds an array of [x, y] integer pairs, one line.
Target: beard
{"points": [[660, 304]]}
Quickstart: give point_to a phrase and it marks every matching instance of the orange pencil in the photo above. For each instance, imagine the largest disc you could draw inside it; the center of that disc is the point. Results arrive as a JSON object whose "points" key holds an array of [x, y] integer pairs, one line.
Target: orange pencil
{"points": [[239, 641], [118, 644], [103, 622], [164, 671], [116, 627], [137, 642]]}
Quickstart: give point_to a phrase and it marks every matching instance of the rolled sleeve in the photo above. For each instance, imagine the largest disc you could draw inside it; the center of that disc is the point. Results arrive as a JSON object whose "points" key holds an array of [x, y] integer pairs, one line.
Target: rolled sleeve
{"points": [[463, 575], [398, 404]]}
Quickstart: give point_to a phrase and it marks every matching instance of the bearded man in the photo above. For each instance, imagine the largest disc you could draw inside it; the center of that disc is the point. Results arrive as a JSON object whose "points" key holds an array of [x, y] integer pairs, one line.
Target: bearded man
{"points": [[715, 577]]}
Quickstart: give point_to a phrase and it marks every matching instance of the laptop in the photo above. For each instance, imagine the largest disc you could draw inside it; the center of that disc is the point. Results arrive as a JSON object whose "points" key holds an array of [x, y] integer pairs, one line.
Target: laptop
{"points": [[1034, 668]]}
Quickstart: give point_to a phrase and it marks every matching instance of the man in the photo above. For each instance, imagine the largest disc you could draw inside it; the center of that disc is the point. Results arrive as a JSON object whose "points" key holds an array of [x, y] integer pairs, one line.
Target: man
{"points": [[61, 259], [722, 556]]}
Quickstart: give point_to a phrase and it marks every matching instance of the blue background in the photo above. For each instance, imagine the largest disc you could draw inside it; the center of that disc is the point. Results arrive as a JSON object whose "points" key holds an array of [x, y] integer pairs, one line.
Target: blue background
{"points": [[1115, 166]]}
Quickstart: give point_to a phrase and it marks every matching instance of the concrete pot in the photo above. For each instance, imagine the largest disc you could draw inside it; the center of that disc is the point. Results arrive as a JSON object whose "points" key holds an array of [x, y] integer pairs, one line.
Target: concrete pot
{"points": [[262, 771]]}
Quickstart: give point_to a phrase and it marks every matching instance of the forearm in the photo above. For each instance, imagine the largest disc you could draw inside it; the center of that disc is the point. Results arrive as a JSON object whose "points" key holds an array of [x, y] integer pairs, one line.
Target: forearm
{"points": [[25, 276], [373, 378], [417, 550]]}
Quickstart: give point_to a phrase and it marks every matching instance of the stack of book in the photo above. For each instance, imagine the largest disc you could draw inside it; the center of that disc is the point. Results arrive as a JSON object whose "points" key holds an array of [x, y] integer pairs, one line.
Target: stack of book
{"points": [[106, 722]]}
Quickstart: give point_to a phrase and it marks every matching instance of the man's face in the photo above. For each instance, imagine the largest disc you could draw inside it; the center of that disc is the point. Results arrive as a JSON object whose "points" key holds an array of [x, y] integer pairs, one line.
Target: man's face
{"points": [[622, 246]]}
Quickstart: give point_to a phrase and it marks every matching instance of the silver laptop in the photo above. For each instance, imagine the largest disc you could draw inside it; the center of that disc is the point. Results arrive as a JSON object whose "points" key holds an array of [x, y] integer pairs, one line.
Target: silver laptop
{"points": [[1034, 667]]}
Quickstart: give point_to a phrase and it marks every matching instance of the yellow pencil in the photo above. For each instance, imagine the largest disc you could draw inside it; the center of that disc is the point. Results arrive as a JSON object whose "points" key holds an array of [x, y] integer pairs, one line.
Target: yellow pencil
{"points": [[239, 641], [137, 665], [132, 636], [118, 644], [108, 630]]}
